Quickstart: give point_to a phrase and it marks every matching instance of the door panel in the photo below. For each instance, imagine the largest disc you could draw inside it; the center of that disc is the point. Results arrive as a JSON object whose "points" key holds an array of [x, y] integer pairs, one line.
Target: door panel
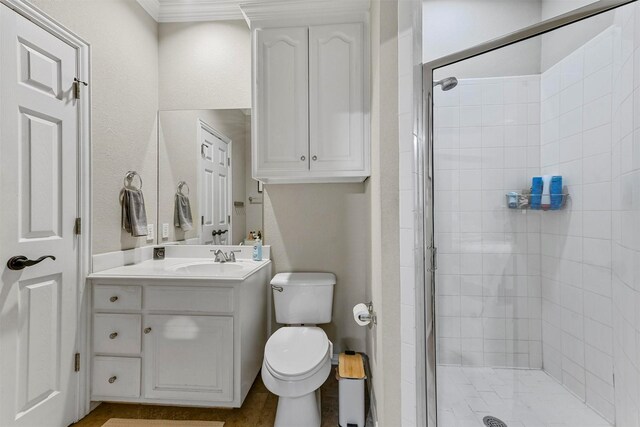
{"points": [[39, 340], [282, 133], [336, 97], [215, 173], [188, 357], [40, 176], [38, 183]]}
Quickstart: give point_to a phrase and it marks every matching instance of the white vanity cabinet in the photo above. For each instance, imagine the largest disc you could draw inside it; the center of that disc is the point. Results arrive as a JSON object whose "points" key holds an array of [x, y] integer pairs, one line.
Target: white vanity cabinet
{"points": [[177, 341], [188, 357], [311, 98]]}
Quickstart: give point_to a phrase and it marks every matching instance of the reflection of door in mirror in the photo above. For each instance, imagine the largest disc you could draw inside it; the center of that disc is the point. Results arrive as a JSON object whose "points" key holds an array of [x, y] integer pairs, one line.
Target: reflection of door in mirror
{"points": [[214, 182]]}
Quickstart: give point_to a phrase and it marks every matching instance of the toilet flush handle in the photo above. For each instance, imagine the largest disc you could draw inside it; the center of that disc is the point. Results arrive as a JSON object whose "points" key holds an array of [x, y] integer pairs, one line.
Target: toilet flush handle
{"points": [[277, 288]]}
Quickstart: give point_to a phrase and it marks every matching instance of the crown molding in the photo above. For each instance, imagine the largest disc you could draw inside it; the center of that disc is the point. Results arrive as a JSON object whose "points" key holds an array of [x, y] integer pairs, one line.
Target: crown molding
{"points": [[193, 10], [152, 7], [293, 9], [252, 10]]}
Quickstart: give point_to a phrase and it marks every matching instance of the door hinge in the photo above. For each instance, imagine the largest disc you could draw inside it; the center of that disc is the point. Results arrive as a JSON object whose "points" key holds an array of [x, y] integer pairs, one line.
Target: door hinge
{"points": [[76, 87], [77, 228], [229, 219], [228, 161], [76, 362], [202, 220]]}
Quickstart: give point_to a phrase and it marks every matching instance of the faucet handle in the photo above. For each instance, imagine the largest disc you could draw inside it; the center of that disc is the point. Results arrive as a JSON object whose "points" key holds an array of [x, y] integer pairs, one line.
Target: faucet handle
{"points": [[231, 256]]}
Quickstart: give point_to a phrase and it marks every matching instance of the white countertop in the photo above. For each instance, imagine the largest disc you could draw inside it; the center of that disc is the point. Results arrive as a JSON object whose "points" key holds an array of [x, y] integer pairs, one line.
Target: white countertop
{"points": [[184, 268]]}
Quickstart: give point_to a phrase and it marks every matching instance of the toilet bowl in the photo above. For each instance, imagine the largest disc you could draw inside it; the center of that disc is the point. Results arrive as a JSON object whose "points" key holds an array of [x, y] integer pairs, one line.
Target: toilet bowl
{"points": [[297, 361]]}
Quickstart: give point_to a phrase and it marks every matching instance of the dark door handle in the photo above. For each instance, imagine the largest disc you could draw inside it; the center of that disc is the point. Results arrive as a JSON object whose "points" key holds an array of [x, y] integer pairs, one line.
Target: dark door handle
{"points": [[20, 262], [218, 232]]}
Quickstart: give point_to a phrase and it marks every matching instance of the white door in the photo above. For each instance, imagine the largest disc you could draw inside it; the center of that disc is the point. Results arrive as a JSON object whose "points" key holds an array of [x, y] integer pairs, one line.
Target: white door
{"points": [[336, 97], [215, 184], [38, 186], [188, 357], [282, 135]]}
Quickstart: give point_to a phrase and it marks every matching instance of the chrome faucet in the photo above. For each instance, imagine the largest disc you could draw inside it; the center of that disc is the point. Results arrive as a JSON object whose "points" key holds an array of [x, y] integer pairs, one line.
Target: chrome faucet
{"points": [[222, 257]]}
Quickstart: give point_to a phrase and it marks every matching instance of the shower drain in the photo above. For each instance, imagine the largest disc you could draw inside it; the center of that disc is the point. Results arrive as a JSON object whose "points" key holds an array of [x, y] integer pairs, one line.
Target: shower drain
{"points": [[493, 422]]}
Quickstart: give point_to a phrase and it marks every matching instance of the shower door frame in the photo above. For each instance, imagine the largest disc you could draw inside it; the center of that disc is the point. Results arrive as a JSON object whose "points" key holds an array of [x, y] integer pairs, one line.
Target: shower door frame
{"points": [[426, 398]]}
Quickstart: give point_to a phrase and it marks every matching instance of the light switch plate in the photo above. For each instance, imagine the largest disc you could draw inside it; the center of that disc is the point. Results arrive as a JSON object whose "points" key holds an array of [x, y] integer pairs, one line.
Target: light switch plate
{"points": [[165, 230], [151, 235]]}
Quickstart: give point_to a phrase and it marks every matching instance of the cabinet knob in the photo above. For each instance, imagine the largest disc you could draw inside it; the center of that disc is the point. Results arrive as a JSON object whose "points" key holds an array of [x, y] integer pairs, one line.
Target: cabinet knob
{"points": [[303, 158], [147, 330], [113, 335], [113, 299], [112, 379], [314, 158]]}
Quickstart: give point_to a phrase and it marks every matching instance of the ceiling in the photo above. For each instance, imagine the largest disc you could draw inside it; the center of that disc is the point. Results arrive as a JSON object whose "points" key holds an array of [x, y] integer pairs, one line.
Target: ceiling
{"points": [[193, 10]]}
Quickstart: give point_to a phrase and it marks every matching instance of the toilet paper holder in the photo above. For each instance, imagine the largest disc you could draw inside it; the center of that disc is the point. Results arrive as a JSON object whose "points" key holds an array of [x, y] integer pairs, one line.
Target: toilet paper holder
{"points": [[371, 316]]}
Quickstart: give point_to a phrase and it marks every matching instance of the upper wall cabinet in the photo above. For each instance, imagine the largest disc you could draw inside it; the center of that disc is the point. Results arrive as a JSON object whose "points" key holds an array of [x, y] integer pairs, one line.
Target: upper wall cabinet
{"points": [[311, 93], [282, 98]]}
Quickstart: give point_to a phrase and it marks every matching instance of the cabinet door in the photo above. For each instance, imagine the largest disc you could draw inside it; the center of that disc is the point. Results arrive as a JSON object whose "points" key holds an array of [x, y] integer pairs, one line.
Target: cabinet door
{"points": [[282, 138], [336, 97], [188, 357]]}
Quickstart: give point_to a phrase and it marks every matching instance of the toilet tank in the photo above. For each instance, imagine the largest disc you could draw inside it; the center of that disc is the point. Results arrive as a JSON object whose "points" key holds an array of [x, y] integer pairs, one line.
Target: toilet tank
{"points": [[303, 297]]}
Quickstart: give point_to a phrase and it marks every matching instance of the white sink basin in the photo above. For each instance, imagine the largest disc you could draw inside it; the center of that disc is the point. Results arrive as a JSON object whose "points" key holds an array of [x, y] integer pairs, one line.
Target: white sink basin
{"points": [[208, 268]]}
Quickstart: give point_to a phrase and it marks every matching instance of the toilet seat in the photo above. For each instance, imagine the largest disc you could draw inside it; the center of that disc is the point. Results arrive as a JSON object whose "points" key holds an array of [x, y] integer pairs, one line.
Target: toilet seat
{"points": [[296, 352]]}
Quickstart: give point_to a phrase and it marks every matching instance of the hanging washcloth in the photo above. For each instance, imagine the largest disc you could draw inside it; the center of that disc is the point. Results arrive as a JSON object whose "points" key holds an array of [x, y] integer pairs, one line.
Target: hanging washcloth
{"points": [[182, 215], [134, 214], [536, 192], [555, 189]]}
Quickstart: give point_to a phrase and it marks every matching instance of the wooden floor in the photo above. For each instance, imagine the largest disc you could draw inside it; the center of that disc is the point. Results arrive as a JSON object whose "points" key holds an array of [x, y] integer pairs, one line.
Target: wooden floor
{"points": [[258, 410]]}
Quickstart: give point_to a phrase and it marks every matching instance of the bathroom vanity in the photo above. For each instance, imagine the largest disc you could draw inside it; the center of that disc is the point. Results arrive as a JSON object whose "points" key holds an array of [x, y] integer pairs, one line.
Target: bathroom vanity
{"points": [[179, 331]]}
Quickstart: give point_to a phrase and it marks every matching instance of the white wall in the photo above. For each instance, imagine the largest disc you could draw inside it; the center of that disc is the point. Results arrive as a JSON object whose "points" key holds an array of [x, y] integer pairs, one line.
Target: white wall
{"points": [[454, 25], [124, 103], [576, 241], [253, 210], [487, 143], [382, 215], [320, 227], [205, 65], [409, 78]]}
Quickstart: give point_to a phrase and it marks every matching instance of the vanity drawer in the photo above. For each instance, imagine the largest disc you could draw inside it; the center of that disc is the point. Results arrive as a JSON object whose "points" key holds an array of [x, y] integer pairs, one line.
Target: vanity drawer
{"points": [[116, 333], [189, 299], [115, 297], [115, 377]]}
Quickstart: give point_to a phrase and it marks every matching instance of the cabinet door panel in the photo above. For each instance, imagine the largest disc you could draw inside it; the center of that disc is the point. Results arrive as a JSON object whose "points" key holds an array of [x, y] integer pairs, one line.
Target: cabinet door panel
{"points": [[282, 137], [336, 97], [188, 357]]}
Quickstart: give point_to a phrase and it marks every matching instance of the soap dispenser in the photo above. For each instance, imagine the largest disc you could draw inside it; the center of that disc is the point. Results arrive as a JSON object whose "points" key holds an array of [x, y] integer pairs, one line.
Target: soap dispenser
{"points": [[257, 248]]}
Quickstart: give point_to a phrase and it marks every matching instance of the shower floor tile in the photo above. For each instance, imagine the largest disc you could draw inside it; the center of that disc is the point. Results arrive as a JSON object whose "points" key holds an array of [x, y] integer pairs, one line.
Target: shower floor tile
{"points": [[520, 398]]}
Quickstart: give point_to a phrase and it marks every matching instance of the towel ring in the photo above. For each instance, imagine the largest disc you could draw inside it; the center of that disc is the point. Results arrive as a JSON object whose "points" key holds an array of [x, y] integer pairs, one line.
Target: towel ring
{"points": [[183, 184], [130, 175]]}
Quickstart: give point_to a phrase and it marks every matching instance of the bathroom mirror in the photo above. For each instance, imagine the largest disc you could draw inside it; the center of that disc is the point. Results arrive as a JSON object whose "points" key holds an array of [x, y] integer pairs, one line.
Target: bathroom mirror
{"points": [[206, 194]]}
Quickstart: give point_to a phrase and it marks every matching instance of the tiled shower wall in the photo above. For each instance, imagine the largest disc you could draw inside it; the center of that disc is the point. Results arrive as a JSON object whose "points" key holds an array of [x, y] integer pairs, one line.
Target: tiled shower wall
{"points": [[626, 215], [588, 268], [488, 285], [576, 241]]}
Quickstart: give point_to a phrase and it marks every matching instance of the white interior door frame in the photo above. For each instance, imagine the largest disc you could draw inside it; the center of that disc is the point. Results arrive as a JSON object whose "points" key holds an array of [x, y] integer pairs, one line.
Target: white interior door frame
{"points": [[202, 125], [83, 68]]}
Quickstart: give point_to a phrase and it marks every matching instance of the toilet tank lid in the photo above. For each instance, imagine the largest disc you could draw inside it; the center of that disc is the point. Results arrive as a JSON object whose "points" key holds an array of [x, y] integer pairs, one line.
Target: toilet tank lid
{"points": [[304, 279]]}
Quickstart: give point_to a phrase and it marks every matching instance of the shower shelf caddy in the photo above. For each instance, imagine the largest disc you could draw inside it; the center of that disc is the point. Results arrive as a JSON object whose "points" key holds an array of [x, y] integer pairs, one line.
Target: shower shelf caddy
{"points": [[524, 200]]}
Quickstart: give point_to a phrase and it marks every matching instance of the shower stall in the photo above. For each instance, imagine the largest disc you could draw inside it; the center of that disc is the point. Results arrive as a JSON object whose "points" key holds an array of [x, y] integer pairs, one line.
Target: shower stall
{"points": [[531, 313]]}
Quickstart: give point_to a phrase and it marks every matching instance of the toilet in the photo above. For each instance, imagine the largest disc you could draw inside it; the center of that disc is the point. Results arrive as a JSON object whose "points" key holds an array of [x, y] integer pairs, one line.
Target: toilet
{"points": [[297, 357]]}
